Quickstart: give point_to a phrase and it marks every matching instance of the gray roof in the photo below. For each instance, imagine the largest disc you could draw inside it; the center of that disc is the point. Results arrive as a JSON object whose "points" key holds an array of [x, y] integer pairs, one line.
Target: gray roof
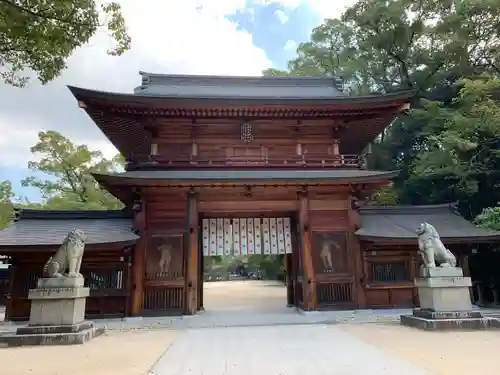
{"points": [[398, 224], [203, 86], [249, 176], [49, 228]]}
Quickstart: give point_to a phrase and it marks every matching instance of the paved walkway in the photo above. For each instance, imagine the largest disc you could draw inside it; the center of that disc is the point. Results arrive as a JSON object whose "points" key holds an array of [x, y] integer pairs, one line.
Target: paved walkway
{"points": [[277, 350]]}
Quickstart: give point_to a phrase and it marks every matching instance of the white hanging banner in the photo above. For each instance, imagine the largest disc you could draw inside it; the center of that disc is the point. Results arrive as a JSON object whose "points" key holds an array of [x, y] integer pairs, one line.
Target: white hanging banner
{"points": [[251, 237], [228, 238], [205, 235], [236, 237], [246, 236], [258, 236], [213, 237], [220, 237], [266, 236], [274, 236], [243, 237], [281, 236], [287, 229]]}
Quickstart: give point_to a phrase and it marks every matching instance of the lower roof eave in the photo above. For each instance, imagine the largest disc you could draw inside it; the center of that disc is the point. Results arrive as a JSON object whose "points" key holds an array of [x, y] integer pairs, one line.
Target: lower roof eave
{"points": [[414, 241], [378, 177], [5, 249]]}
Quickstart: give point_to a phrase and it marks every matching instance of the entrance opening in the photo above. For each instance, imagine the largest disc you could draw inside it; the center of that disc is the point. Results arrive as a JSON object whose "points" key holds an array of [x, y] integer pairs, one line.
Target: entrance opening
{"points": [[247, 263]]}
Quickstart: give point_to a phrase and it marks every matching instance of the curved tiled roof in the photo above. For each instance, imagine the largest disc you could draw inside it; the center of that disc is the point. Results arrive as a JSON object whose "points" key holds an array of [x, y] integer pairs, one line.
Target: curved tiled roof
{"points": [[43, 227], [398, 224]]}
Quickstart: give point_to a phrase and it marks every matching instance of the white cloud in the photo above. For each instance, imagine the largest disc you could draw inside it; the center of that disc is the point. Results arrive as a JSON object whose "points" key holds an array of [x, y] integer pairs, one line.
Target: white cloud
{"points": [[190, 37], [290, 45], [330, 9], [282, 16]]}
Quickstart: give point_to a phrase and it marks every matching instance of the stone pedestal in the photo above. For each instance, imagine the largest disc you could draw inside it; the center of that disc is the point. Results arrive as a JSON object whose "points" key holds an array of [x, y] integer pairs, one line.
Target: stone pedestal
{"points": [[444, 302], [57, 315]]}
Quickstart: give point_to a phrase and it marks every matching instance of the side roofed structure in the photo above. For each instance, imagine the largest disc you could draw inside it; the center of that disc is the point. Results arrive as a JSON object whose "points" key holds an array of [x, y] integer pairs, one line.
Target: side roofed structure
{"points": [[398, 224], [35, 235], [49, 228]]}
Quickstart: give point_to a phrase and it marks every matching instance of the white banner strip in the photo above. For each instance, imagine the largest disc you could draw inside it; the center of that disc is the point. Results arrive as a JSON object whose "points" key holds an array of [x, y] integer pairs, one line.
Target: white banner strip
{"points": [[205, 233]]}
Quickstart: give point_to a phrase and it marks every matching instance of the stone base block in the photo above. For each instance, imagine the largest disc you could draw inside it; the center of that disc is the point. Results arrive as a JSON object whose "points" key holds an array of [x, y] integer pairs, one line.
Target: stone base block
{"points": [[62, 335], [43, 329], [434, 315], [57, 306], [444, 293], [60, 282], [446, 324], [445, 271]]}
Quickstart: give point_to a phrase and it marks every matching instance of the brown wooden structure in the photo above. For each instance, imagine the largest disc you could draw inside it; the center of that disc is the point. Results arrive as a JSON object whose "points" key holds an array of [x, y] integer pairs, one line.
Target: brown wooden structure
{"points": [[236, 150]]}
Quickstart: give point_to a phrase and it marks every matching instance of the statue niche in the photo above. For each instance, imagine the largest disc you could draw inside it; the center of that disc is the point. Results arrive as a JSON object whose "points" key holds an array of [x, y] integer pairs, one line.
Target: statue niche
{"points": [[164, 257], [330, 250]]}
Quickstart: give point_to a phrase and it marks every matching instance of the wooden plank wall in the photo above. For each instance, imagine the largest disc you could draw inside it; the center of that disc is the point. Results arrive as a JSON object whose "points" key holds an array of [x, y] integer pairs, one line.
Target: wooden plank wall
{"points": [[332, 253], [221, 139], [164, 289]]}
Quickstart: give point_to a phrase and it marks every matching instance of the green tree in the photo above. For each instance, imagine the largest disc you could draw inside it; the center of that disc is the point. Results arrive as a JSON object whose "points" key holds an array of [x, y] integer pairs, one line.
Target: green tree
{"points": [[41, 34], [385, 46], [489, 218], [6, 195], [71, 185], [466, 150]]}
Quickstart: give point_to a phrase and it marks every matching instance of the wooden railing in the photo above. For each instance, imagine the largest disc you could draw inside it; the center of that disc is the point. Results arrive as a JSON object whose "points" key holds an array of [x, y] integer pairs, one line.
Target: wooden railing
{"points": [[163, 300], [340, 161], [108, 283], [335, 294]]}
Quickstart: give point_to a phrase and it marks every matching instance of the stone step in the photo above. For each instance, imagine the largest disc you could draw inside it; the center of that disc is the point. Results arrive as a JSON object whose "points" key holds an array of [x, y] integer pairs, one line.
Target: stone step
{"points": [[72, 338]]}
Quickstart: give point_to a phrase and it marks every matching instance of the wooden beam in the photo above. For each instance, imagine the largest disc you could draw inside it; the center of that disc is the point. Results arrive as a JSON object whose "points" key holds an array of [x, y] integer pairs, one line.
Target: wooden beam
{"points": [[192, 256], [310, 300], [354, 253], [139, 259]]}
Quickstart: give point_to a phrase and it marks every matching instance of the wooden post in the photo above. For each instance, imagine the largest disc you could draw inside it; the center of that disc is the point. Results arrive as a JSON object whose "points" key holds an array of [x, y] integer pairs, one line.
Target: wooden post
{"points": [[192, 254], [290, 293], [12, 279], [139, 258], [309, 280], [355, 253]]}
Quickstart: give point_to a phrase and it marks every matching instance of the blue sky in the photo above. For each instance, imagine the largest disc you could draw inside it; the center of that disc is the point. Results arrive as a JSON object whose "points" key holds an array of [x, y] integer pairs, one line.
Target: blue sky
{"points": [[233, 37]]}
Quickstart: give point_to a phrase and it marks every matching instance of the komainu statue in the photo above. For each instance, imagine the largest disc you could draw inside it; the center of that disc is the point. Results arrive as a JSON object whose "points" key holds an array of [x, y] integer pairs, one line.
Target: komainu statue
{"points": [[432, 249], [68, 257]]}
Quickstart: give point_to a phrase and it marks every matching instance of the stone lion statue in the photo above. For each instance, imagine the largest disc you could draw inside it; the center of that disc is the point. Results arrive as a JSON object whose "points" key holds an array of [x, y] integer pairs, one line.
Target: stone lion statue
{"points": [[68, 257], [432, 249]]}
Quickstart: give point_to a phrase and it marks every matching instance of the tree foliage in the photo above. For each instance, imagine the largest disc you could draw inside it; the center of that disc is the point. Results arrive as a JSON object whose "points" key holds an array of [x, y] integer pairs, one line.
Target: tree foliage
{"points": [[489, 218], [41, 34], [463, 143], [69, 166], [6, 195], [380, 46]]}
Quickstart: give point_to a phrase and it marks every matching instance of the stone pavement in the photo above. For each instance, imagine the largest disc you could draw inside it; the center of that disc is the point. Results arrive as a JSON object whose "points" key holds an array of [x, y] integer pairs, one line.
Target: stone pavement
{"points": [[277, 350]]}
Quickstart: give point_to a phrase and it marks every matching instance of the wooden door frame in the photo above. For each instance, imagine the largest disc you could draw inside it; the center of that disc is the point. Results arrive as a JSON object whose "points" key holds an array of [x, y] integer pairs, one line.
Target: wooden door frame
{"points": [[245, 214]]}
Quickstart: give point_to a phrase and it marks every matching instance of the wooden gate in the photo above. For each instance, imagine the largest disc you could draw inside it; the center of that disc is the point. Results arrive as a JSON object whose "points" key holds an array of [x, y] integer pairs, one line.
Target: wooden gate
{"points": [[164, 280]]}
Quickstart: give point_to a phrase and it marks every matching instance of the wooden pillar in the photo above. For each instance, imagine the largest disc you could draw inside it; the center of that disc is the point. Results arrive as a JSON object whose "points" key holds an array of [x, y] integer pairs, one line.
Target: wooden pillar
{"points": [[309, 279], [290, 293], [192, 254], [12, 280], [355, 254], [139, 258]]}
